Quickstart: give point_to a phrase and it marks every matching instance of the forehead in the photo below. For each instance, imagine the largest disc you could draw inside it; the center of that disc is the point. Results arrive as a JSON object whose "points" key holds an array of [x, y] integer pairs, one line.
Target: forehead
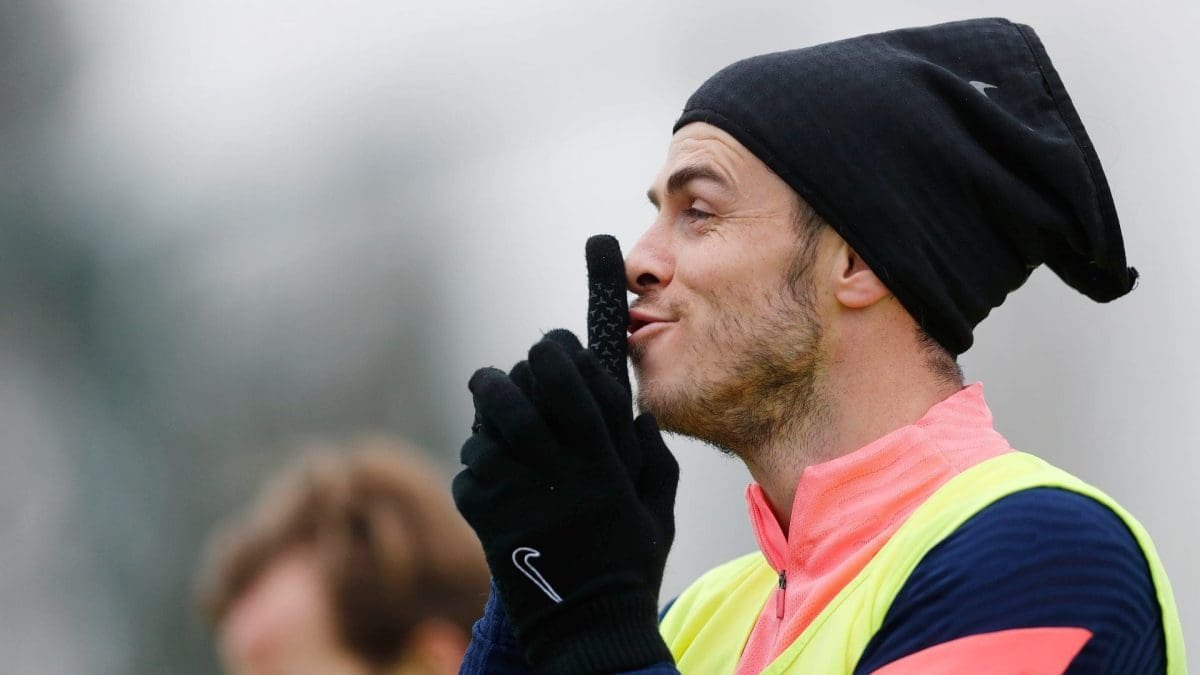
{"points": [[285, 607], [700, 144]]}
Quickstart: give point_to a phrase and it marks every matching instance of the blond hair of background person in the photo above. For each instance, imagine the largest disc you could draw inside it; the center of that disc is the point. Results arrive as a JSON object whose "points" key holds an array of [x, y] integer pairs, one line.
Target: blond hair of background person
{"points": [[352, 560]]}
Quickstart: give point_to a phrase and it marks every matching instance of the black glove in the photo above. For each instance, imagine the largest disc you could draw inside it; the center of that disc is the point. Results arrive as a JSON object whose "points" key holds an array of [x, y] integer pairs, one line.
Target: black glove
{"points": [[648, 462], [652, 467], [573, 501]]}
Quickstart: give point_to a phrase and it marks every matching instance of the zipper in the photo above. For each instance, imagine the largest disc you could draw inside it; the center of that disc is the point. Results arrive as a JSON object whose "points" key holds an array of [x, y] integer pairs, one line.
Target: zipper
{"points": [[779, 595]]}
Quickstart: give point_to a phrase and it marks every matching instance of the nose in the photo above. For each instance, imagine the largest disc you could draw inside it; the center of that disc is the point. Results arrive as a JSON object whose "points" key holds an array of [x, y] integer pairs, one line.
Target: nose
{"points": [[649, 265]]}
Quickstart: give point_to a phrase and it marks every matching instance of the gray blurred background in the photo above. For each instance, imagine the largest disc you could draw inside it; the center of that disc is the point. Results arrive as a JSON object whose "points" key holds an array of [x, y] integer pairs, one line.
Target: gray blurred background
{"points": [[229, 225]]}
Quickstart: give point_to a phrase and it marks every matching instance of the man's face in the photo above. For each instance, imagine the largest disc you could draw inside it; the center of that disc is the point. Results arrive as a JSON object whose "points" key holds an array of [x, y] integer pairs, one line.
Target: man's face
{"points": [[725, 339]]}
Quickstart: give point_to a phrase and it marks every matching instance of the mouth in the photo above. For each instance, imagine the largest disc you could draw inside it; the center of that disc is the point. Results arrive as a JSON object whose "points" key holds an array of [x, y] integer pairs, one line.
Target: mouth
{"points": [[643, 324]]}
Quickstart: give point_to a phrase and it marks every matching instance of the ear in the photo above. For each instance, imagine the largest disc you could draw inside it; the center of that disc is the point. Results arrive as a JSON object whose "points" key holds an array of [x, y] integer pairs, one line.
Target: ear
{"points": [[854, 284]]}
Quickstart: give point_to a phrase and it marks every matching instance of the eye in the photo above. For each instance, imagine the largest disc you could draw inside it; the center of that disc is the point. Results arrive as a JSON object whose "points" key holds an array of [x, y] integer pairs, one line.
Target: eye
{"points": [[696, 214]]}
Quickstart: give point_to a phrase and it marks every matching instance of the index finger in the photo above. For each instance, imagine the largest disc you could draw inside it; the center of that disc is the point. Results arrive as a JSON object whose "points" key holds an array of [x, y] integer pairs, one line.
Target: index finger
{"points": [[608, 307]]}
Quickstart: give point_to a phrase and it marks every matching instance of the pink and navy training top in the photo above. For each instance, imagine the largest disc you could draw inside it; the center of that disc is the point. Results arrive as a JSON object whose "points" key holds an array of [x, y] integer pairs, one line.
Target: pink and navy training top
{"points": [[1037, 560]]}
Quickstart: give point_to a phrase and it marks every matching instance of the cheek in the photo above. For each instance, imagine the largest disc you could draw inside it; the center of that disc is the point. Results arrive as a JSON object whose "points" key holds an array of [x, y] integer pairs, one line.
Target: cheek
{"points": [[711, 278], [727, 281], [726, 266], [721, 299]]}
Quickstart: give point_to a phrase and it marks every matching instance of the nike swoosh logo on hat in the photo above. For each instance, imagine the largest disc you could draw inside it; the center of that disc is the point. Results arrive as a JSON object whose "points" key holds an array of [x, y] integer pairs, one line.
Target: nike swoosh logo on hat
{"points": [[982, 86], [521, 558]]}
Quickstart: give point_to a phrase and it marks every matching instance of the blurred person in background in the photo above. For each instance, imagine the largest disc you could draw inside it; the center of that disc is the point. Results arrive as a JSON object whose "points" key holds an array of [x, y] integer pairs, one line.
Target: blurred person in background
{"points": [[351, 561], [833, 222]]}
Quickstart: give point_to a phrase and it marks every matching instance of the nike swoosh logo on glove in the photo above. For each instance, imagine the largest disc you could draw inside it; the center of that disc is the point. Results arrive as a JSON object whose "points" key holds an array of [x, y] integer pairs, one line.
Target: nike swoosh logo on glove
{"points": [[521, 558]]}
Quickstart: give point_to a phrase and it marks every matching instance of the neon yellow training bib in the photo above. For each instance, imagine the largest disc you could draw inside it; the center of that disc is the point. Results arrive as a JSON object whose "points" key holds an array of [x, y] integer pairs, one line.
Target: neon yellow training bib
{"points": [[708, 625]]}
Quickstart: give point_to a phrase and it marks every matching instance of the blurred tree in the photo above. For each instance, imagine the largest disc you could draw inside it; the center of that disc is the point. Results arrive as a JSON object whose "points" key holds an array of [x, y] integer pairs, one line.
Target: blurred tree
{"points": [[150, 382]]}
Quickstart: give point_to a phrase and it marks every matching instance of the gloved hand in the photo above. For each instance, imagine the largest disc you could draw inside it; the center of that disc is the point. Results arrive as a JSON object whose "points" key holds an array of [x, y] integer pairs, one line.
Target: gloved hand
{"points": [[657, 475], [572, 499], [647, 461]]}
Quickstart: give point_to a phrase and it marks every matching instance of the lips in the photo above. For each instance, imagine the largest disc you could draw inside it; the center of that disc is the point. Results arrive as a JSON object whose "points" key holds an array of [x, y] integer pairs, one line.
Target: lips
{"points": [[642, 322]]}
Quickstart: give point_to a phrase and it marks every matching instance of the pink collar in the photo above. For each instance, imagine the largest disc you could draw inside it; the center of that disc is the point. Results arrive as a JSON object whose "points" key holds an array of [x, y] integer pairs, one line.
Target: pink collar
{"points": [[846, 509]]}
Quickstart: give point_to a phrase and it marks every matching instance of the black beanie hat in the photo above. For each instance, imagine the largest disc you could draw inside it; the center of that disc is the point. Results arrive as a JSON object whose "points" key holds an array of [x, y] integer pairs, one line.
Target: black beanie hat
{"points": [[950, 157]]}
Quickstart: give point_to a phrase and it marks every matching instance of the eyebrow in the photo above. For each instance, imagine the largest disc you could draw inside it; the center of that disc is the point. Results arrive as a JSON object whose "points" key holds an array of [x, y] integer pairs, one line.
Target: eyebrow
{"points": [[685, 175]]}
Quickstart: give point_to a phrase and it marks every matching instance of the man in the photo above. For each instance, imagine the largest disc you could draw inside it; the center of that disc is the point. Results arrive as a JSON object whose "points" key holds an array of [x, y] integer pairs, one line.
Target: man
{"points": [[832, 224], [351, 562]]}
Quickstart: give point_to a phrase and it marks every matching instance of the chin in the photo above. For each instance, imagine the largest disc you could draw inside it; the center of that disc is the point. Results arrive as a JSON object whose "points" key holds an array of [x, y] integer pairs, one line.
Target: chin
{"points": [[656, 389], [647, 388], [667, 402]]}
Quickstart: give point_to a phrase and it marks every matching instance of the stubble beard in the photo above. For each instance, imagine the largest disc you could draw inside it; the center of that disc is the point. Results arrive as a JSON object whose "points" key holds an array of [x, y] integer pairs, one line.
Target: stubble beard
{"points": [[769, 389]]}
